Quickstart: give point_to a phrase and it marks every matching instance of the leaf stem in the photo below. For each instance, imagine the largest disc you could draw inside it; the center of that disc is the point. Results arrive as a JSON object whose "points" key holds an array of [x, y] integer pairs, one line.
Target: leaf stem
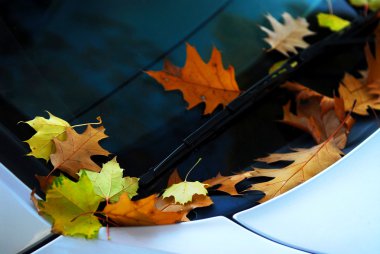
{"points": [[199, 160], [83, 124], [330, 6]]}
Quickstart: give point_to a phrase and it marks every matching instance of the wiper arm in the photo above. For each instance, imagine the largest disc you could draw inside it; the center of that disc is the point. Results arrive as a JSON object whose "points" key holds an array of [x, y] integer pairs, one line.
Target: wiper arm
{"points": [[219, 121]]}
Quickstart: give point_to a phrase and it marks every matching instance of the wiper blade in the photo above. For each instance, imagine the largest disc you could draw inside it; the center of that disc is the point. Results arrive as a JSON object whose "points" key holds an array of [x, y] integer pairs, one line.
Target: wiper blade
{"points": [[220, 120]]}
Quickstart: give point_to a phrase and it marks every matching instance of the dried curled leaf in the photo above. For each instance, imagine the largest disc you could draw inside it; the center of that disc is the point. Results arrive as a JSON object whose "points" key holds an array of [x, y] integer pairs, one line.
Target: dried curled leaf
{"points": [[288, 36], [142, 212], [75, 152], [110, 184], [317, 114], [366, 91], [200, 82], [353, 90], [71, 206], [183, 192], [41, 144], [306, 163]]}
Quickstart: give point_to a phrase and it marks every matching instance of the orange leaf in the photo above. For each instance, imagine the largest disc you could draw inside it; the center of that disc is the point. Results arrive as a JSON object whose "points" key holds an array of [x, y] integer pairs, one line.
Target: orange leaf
{"points": [[227, 183], [306, 164], [169, 204], [373, 78], [366, 91], [351, 89], [317, 114], [200, 82], [45, 182], [75, 152], [142, 212], [174, 178]]}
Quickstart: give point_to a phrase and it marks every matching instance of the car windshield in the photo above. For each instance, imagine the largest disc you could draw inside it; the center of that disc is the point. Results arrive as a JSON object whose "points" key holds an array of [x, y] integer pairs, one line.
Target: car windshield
{"points": [[79, 60]]}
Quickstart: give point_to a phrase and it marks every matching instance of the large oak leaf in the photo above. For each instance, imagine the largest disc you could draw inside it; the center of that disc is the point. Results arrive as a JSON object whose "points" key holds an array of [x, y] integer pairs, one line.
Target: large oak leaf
{"points": [[306, 163], [200, 82], [75, 152]]}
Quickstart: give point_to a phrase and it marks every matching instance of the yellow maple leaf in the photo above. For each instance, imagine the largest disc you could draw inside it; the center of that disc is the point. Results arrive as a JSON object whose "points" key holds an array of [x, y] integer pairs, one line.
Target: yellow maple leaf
{"points": [[41, 144], [183, 192]]}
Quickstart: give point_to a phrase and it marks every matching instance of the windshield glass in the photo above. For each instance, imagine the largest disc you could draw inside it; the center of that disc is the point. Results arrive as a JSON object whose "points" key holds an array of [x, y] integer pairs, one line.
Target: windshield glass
{"points": [[80, 60]]}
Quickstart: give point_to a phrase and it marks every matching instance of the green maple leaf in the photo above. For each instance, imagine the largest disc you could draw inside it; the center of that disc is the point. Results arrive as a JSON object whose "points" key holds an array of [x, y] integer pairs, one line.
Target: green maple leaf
{"points": [[71, 205], [331, 21], [41, 144], [183, 192], [110, 184]]}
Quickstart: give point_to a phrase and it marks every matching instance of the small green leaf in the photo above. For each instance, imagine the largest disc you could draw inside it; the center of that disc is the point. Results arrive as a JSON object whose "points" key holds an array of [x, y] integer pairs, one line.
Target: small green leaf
{"points": [[71, 205], [276, 66], [110, 184], [331, 21], [41, 144], [183, 192], [279, 64]]}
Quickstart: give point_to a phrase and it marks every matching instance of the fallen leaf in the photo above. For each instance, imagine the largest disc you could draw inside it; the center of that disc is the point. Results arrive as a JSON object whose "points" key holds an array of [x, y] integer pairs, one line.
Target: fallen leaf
{"points": [[110, 184], [169, 204], [288, 36], [142, 212], [227, 183], [71, 205], [306, 163], [45, 182], [373, 61], [41, 144], [373, 5], [332, 22], [174, 178], [200, 82], [317, 114], [75, 152], [353, 90], [365, 91], [183, 192]]}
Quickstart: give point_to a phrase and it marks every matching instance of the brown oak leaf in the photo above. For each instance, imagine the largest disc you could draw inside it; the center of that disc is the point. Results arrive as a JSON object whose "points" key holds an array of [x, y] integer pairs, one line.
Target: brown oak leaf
{"points": [[199, 81], [306, 163], [74, 153]]}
